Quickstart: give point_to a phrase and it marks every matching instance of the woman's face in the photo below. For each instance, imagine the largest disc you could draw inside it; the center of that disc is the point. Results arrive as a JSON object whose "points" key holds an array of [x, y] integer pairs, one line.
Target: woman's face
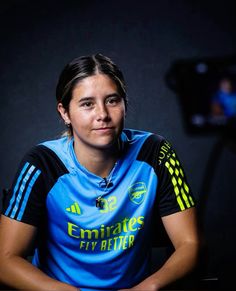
{"points": [[96, 112]]}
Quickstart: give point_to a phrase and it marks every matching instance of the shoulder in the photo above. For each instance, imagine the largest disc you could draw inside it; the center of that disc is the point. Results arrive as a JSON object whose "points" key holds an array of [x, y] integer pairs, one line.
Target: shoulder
{"points": [[44, 155], [44, 148], [133, 135], [150, 138], [153, 147]]}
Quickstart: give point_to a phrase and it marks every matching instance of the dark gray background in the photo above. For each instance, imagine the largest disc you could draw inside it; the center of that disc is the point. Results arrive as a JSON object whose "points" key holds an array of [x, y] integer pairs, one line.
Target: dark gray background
{"points": [[143, 37]]}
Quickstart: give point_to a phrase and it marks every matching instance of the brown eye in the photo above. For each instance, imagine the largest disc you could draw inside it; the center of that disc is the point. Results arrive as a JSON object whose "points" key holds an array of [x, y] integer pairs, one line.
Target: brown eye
{"points": [[113, 100], [87, 104]]}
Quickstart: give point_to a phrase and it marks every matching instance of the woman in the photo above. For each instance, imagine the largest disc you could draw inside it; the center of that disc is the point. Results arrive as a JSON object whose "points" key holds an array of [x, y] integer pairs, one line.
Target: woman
{"points": [[86, 201]]}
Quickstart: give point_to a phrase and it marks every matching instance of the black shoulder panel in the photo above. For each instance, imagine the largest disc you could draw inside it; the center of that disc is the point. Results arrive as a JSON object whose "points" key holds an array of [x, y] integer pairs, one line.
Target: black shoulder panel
{"points": [[49, 163], [150, 150]]}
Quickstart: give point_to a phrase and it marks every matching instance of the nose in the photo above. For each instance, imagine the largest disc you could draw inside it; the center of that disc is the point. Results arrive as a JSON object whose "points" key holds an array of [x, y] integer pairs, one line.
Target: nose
{"points": [[102, 112]]}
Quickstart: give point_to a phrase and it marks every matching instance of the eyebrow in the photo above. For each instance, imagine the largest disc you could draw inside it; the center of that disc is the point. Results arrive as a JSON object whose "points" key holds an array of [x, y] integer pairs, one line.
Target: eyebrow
{"points": [[89, 98]]}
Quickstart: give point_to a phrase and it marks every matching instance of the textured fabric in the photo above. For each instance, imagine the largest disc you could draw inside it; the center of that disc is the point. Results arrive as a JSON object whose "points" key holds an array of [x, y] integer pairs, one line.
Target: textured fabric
{"points": [[98, 248]]}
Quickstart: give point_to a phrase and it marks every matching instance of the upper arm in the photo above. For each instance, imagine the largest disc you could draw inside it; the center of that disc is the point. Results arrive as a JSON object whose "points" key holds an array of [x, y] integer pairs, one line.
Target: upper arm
{"points": [[181, 227], [16, 238]]}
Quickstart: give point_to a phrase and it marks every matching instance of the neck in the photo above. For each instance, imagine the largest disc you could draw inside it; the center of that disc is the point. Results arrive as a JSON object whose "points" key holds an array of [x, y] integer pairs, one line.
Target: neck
{"points": [[98, 161]]}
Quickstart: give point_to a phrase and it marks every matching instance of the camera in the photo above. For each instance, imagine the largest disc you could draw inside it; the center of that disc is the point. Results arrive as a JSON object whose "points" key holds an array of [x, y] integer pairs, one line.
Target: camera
{"points": [[206, 90]]}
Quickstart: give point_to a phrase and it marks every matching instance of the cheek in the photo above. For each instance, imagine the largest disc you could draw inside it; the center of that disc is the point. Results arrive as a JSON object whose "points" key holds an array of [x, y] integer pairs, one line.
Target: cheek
{"points": [[121, 113], [81, 120]]}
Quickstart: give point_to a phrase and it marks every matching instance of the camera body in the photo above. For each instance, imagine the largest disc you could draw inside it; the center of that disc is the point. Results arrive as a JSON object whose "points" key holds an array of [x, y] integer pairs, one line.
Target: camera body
{"points": [[206, 90]]}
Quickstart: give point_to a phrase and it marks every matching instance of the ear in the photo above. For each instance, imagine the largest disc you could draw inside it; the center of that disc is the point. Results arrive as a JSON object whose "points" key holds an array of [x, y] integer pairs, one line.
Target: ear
{"points": [[64, 113]]}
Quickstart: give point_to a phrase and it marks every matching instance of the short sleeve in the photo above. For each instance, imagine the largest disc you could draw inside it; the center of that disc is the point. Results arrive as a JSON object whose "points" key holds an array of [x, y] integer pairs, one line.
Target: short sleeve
{"points": [[37, 173], [174, 191]]}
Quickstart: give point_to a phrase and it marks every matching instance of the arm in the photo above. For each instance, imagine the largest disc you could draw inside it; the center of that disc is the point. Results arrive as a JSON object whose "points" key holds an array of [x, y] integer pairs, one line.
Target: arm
{"points": [[15, 271], [182, 230]]}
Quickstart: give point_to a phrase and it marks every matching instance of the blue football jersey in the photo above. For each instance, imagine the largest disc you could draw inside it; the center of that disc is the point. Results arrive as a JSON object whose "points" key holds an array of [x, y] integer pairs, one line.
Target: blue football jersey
{"points": [[94, 232]]}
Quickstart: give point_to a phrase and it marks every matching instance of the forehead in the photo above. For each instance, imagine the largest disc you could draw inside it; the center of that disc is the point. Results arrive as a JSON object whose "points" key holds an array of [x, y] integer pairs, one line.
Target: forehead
{"points": [[96, 84]]}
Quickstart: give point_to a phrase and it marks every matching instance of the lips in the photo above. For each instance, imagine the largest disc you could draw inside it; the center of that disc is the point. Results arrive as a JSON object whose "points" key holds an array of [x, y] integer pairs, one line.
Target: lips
{"points": [[104, 129]]}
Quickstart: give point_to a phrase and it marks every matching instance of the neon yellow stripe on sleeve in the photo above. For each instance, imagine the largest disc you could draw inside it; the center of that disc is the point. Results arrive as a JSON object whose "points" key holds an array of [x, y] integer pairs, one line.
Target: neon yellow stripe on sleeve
{"points": [[185, 198], [181, 205], [181, 189]]}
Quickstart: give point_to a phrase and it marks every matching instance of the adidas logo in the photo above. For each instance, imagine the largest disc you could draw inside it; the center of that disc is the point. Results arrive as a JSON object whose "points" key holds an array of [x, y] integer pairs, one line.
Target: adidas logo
{"points": [[74, 208]]}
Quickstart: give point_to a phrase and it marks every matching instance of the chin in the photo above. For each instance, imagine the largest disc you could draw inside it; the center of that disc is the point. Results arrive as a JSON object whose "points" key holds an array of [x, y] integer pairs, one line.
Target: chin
{"points": [[106, 145]]}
